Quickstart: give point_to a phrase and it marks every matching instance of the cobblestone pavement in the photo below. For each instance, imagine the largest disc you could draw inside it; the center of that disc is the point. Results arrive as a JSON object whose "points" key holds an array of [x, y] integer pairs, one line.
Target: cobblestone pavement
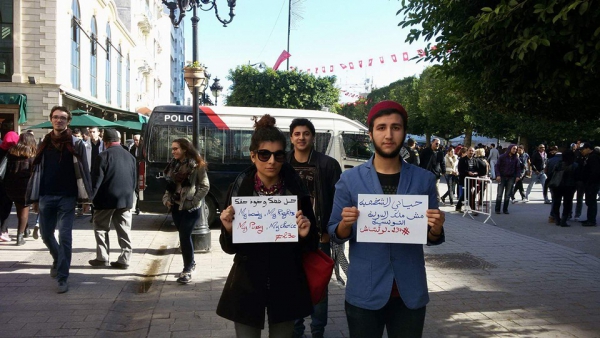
{"points": [[485, 281]]}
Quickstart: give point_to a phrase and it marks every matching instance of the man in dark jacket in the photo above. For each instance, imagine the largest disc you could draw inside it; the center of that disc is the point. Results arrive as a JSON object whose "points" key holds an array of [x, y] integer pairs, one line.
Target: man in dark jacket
{"points": [[114, 181], [409, 152], [591, 179], [320, 174], [508, 171], [432, 159]]}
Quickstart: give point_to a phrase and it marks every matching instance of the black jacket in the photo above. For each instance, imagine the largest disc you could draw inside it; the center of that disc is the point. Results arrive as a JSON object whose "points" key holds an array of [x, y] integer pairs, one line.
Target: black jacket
{"points": [[433, 161], [329, 173], [114, 179], [267, 275], [463, 168], [591, 169]]}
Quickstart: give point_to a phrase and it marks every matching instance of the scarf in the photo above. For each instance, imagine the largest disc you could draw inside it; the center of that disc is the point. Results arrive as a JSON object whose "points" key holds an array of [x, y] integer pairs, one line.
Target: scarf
{"points": [[58, 142], [179, 171], [261, 190]]}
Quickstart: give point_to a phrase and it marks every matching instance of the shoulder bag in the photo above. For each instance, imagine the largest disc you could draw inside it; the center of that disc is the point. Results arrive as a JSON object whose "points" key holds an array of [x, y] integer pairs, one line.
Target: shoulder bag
{"points": [[318, 268]]}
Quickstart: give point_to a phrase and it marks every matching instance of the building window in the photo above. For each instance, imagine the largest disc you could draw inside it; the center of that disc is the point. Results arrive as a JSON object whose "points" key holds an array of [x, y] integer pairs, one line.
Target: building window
{"points": [[75, 45], [119, 77], [94, 59], [127, 82], [6, 41], [107, 85]]}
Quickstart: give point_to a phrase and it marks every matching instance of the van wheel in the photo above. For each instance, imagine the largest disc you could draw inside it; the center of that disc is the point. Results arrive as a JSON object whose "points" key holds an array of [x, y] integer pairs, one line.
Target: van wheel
{"points": [[214, 222]]}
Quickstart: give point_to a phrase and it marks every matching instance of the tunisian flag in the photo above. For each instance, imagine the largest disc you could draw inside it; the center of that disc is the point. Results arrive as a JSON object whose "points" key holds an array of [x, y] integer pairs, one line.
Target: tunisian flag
{"points": [[282, 57]]}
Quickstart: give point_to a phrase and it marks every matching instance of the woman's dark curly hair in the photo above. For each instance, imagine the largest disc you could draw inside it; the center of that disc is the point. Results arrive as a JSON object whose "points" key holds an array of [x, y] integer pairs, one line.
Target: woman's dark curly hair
{"points": [[265, 131]]}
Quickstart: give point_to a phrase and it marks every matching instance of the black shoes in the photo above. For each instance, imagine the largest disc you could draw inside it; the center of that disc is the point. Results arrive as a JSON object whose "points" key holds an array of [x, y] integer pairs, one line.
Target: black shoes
{"points": [[95, 262], [119, 265], [588, 224], [506, 212], [20, 239]]}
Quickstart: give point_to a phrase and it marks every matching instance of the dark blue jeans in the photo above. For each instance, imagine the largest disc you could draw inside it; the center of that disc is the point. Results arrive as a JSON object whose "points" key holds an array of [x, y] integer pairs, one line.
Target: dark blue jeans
{"points": [[184, 222], [58, 212], [319, 315], [398, 320], [504, 188]]}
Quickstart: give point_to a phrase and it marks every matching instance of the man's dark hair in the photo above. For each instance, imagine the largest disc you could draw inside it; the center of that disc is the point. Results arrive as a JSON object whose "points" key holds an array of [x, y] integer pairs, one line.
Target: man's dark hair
{"points": [[302, 122], [493, 145], [76, 131], [61, 108], [410, 142]]}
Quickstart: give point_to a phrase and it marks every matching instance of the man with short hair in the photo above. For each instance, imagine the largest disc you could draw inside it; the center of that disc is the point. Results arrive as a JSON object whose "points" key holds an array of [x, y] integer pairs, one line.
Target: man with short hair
{"points": [[432, 159], [591, 180], [96, 143], [114, 181], [320, 173], [60, 179], [387, 283], [539, 160]]}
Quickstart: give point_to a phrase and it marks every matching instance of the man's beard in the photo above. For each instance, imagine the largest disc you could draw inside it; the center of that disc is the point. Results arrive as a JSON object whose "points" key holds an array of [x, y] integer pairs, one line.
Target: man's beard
{"points": [[394, 153]]}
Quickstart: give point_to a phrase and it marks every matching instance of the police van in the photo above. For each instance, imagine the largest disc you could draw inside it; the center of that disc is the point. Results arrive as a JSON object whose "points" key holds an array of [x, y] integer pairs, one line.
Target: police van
{"points": [[224, 138]]}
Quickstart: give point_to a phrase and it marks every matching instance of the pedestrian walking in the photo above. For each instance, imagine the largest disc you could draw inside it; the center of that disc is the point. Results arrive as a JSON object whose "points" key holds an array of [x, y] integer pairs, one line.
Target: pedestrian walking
{"points": [[113, 181], [451, 176], [10, 140], [18, 171], [591, 179], [508, 171], [187, 185], [387, 284], [267, 275], [539, 160], [60, 179]]}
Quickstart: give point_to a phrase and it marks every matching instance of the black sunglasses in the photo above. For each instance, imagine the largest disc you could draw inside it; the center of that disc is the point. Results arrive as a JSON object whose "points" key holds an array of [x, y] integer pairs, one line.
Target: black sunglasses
{"points": [[264, 155]]}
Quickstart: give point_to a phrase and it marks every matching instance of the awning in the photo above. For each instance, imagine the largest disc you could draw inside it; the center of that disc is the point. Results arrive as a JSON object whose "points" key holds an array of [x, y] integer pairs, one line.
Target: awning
{"points": [[20, 99], [99, 105]]}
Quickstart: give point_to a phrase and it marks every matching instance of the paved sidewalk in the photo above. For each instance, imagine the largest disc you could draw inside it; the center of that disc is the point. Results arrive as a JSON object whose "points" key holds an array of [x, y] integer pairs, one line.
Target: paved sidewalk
{"points": [[485, 281]]}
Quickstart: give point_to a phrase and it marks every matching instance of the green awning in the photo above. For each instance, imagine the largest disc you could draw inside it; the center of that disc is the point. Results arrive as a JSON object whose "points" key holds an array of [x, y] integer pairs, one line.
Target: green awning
{"points": [[20, 99]]}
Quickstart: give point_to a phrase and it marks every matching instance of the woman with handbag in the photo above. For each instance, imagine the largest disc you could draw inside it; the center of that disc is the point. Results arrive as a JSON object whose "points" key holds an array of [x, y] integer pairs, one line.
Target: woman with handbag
{"points": [[18, 171], [8, 141], [187, 185], [267, 276]]}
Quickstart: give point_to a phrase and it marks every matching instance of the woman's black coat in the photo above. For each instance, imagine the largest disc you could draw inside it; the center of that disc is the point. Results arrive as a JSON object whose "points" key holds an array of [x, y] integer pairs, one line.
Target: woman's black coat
{"points": [[268, 274]]}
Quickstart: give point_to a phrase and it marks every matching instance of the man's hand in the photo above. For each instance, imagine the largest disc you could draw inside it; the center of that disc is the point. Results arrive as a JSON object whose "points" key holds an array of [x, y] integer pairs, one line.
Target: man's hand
{"points": [[349, 216], [435, 219]]}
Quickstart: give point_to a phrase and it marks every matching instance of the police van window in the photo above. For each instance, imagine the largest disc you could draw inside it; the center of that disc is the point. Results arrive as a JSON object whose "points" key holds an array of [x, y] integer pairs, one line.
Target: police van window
{"points": [[228, 146], [357, 145], [159, 143]]}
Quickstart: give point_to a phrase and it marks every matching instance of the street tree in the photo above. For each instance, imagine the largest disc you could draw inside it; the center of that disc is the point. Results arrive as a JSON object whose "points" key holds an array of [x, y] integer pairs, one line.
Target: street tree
{"points": [[280, 89], [539, 57]]}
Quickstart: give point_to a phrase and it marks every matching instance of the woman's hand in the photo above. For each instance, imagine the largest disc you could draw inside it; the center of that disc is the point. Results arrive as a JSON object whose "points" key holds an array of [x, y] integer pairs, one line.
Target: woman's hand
{"points": [[227, 217], [303, 224]]}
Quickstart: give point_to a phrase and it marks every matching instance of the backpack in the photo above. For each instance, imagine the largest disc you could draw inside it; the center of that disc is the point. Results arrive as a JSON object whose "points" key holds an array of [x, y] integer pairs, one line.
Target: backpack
{"points": [[557, 175]]}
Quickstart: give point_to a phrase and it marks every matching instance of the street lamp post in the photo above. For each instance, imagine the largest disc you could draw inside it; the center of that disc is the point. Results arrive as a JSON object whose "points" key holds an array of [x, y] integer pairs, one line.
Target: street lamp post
{"points": [[201, 232], [216, 90]]}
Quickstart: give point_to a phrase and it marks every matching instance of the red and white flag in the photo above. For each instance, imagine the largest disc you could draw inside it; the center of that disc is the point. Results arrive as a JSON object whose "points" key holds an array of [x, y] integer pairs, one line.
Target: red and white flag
{"points": [[351, 65], [282, 57], [405, 56], [394, 58]]}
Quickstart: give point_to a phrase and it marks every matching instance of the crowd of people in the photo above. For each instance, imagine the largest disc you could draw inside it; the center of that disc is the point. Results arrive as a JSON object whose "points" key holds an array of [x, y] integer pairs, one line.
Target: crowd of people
{"points": [[578, 168]]}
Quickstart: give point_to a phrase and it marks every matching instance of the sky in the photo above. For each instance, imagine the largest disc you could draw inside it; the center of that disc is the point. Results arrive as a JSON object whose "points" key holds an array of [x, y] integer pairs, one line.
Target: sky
{"points": [[330, 32]]}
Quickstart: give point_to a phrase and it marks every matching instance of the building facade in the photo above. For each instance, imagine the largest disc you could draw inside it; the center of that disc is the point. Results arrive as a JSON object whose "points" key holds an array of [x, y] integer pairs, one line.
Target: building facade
{"points": [[107, 57]]}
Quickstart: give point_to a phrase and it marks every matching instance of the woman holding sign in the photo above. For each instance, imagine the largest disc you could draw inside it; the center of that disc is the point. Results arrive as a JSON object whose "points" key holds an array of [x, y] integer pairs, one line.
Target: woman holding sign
{"points": [[267, 275], [187, 185]]}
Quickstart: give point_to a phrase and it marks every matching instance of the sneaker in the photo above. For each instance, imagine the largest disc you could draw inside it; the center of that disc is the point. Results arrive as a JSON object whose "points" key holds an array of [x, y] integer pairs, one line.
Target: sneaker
{"points": [[5, 237], [514, 201], [63, 286], [97, 262], [184, 277], [119, 265], [36, 231], [525, 200], [53, 271], [20, 239], [547, 202]]}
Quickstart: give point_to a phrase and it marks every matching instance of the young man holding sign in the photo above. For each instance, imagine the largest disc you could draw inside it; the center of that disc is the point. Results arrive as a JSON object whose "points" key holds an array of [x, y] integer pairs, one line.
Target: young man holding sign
{"points": [[387, 285]]}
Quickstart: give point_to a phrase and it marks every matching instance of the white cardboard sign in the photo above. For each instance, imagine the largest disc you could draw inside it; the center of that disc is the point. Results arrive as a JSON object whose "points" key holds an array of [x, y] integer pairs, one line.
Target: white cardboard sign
{"points": [[392, 218], [260, 219]]}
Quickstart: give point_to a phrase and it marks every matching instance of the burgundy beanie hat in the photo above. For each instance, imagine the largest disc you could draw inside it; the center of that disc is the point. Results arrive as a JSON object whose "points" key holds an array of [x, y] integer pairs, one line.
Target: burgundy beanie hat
{"points": [[383, 105]]}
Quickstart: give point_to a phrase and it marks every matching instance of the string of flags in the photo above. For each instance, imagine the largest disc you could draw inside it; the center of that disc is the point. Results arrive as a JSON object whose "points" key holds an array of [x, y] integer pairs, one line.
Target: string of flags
{"points": [[362, 63]]}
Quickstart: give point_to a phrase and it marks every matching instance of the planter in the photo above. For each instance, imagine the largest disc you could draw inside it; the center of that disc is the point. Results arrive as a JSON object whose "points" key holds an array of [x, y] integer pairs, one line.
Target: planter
{"points": [[194, 77]]}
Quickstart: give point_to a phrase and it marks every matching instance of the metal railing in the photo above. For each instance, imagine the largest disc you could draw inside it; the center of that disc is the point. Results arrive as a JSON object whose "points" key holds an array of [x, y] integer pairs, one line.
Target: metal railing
{"points": [[477, 197]]}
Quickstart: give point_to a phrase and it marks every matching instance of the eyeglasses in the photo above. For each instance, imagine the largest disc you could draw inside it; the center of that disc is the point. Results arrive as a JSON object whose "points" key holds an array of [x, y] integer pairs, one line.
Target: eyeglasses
{"points": [[59, 118], [264, 155]]}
